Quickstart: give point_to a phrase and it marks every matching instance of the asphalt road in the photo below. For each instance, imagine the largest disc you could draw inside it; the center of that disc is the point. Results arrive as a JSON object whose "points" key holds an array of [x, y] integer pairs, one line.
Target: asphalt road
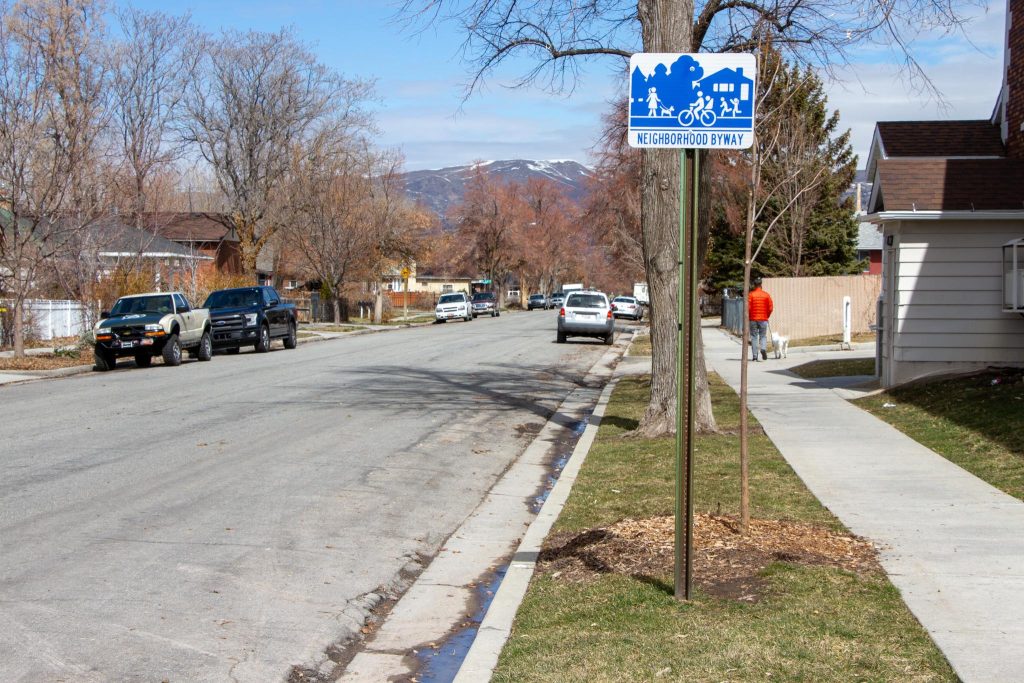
{"points": [[218, 521]]}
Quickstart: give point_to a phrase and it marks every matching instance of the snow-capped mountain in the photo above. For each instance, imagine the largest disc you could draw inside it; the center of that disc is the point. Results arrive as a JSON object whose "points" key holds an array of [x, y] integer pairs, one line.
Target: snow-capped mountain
{"points": [[439, 188]]}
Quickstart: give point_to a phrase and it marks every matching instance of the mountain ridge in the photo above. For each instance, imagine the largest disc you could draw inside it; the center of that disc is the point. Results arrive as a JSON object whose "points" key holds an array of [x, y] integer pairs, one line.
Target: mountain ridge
{"points": [[440, 188]]}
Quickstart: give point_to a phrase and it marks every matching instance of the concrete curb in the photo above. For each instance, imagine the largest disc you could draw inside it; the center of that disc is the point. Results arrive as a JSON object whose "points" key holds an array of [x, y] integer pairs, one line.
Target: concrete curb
{"points": [[496, 627]]}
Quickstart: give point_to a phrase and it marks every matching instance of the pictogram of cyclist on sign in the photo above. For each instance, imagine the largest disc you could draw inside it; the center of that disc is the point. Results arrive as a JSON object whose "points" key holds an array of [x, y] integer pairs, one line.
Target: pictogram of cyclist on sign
{"points": [[692, 92]]}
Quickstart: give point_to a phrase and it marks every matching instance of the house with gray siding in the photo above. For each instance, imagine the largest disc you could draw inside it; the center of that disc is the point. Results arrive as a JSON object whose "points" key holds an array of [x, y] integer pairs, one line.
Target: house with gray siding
{"points": [[946, 196]]}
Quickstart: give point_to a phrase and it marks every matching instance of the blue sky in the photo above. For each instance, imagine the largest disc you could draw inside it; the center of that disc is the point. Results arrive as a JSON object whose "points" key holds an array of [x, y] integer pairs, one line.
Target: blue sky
{"points": [[421, 80]]}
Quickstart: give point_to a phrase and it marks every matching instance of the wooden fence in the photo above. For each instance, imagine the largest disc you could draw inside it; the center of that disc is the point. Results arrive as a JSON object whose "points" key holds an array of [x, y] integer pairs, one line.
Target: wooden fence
{"points": [[813, 306]]}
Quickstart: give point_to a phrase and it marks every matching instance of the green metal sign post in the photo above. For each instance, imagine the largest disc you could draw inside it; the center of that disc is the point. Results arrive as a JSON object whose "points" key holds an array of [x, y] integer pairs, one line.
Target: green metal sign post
{"points": [[689, 101], [686, 356]]}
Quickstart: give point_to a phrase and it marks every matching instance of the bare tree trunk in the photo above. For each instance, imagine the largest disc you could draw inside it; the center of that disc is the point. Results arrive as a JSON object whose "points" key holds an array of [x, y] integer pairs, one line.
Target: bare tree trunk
{"points": [[19, 323], [336, 303], [667, 27], [378, 306]]}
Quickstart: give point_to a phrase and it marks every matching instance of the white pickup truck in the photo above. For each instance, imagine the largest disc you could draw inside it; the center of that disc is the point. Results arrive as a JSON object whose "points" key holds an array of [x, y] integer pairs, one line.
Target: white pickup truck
{"points": [[146, 325]]}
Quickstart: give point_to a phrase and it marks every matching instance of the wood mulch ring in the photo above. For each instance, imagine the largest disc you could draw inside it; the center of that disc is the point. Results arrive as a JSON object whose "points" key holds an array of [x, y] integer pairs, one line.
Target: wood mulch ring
{"points": [[726, 563]]}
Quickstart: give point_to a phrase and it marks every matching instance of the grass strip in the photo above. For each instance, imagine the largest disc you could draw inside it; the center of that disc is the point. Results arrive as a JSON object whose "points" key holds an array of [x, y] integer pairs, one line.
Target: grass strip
{"points": [[843, 367], [973, 422], [812, 623]]}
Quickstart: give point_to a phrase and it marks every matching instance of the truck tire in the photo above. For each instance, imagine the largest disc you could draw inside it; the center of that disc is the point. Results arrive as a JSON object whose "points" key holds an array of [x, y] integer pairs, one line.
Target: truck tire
{"points": [[172, 351], [143, 360], [104, 361], [263, 344], [292, 339], [609, 338], [205, 350], [561, 338]]}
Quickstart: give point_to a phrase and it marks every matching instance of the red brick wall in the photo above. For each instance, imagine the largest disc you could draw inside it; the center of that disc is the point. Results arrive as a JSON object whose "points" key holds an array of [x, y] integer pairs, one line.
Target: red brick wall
{"points": [[1015, 81]]}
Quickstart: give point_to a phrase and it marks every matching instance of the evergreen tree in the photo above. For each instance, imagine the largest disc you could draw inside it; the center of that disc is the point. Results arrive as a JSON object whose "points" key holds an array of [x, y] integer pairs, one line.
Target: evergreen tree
{"points": [[812, 166], [807, 165]]}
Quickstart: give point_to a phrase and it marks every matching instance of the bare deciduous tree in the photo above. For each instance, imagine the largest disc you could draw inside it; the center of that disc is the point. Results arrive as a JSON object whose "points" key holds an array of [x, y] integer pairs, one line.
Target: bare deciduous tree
{"points": [[258, 101], [52, 78], [151, 69], [331, 218], [559, 36]]}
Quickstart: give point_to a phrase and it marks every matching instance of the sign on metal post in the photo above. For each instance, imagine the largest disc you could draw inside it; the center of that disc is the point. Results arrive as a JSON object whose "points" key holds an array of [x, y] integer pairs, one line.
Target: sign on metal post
{"points": [[689, 102], [694, 101]]}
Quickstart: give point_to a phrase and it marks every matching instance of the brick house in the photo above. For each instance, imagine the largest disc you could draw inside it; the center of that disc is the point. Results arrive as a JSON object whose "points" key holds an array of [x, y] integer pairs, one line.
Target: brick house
{"points": [[946, 196], [206, 234]]}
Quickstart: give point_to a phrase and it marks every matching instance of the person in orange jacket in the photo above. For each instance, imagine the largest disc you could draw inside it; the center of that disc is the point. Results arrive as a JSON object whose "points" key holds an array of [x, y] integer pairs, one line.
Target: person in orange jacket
{"points": [[759, 309]]}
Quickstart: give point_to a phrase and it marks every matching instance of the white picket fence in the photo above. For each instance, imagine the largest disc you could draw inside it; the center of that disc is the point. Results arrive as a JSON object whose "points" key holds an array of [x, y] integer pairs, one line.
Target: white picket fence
{"points": [[52, 318]]}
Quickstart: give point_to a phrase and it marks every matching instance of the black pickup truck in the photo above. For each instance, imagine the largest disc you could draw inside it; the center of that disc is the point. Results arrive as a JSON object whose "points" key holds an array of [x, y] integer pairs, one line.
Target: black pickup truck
{"points": [[253, 316]]}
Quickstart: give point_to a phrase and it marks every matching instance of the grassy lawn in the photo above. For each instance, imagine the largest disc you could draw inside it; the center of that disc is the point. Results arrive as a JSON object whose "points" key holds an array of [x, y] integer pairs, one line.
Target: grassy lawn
{"points": [[833, 339], [808, 622], [641, 345], [835, 368], [972, 421]]}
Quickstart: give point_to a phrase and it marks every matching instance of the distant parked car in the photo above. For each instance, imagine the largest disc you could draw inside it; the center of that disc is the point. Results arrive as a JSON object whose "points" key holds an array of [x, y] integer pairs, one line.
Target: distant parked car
{"points": [[537, 301], [627, 307], [485, 303], [453, 305], [556, 299], [586, 314]]}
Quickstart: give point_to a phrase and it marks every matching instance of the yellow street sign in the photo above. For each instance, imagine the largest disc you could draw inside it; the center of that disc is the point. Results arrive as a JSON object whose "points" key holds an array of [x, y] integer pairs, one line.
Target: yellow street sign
{"points": [[406, 273]]}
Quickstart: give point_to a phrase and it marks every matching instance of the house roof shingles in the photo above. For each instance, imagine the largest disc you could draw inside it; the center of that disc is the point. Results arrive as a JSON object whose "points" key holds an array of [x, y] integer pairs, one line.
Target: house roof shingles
{"points": [[952, 184], [941, 139], [189, 227]]}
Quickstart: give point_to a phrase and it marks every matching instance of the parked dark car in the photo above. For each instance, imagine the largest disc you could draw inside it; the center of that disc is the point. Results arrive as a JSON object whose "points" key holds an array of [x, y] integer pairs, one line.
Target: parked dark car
{"points": [[485, 303], [251, 316], [537, 301]]}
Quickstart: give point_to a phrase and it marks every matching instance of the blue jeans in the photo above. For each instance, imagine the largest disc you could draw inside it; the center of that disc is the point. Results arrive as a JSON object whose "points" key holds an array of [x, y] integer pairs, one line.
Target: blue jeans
{"points": [[758, 329]]}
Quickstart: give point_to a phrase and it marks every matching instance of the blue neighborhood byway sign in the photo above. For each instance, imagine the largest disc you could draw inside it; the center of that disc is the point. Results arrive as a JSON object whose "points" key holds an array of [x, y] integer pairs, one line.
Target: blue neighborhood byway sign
{"points": [[702, 100]]}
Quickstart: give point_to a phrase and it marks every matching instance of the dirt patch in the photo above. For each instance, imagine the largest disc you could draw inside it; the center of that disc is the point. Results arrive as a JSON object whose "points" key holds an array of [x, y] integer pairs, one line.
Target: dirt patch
{"points": [[46, 361], [726, 563]]}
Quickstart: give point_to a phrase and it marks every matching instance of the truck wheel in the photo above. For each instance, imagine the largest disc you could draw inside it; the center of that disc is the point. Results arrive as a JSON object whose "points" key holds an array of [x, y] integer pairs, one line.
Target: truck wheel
{"points": [[143, 360], [172, 351], [205, 350], [104, 361], [263, 345], [561, 338], [609, 338], [292, 340]]}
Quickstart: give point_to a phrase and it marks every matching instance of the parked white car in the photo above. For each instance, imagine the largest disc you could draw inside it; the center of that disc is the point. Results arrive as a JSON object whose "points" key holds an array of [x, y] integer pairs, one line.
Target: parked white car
{"points": [[627, 307], [586, 314], [453, 305]]}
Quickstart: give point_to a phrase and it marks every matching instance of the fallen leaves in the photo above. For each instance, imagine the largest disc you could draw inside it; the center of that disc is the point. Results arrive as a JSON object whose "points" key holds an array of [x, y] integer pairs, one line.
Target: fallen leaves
{"points": [[726, 562], [43, 361]]}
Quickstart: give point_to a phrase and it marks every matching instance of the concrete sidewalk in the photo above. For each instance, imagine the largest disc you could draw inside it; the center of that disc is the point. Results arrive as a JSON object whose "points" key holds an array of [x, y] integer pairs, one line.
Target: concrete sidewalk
{"points": [[952, 544]]}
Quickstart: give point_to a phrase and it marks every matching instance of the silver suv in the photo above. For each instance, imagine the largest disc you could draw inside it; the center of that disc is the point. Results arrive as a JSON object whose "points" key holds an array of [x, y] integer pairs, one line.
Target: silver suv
{"points": [[453, 305], [586, 314]]}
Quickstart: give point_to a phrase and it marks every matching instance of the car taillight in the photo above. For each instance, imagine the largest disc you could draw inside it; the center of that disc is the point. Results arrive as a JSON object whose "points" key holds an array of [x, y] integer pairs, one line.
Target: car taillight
{"points": [[561, 313], [609, 314]]}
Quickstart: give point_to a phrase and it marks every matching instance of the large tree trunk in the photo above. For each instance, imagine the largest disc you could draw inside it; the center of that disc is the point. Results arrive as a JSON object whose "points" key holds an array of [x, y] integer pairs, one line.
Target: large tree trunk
{"points": [[19, 328], [667, 27]]}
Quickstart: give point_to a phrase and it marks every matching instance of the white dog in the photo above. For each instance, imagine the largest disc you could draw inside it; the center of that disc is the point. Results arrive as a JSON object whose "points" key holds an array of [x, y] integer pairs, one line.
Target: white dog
{"points": [[781, 345], [667, 111]]}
